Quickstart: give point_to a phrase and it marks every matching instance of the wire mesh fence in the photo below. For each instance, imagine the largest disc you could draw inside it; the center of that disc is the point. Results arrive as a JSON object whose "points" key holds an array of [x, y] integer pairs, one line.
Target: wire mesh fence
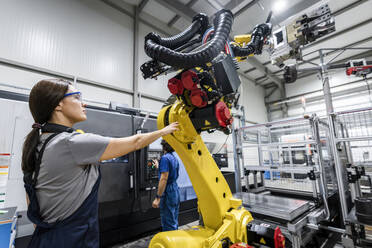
{"points": [[284, 151], [354, 130]]}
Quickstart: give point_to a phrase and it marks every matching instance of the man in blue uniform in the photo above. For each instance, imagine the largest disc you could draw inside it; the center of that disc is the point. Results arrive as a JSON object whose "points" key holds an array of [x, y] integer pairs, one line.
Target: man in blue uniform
{"points": [[184, 184], [168, 197]]}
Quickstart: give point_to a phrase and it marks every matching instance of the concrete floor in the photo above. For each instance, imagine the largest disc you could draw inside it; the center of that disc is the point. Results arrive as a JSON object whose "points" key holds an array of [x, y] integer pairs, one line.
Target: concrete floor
{"points": [[145, 241]]}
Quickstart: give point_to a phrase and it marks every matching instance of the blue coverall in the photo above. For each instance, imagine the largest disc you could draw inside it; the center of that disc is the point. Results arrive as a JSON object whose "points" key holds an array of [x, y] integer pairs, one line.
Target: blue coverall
{"points": [[170, 199], [184, 184]]}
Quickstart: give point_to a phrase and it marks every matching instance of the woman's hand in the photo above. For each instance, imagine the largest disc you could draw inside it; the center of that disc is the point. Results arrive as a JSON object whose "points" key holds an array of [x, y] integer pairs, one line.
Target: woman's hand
{"points": [[156, 203], [170, 128]]}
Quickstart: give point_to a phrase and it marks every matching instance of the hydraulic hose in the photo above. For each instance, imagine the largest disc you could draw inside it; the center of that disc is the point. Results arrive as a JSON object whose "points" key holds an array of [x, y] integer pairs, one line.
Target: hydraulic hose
{"points": [[198, 26], [260, 32], [222, 25]]}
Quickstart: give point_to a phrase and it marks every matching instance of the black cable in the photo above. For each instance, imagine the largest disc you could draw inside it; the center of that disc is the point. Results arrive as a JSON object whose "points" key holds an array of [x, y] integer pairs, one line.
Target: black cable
{"points": [[370, 183], [198, 26], [259, 34], [157, 51], [369, 89], [223, 144]]}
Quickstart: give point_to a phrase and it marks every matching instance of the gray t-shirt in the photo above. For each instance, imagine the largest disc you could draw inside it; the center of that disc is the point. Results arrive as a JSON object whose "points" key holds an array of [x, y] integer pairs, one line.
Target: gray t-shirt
{"points": [[68, 172]]}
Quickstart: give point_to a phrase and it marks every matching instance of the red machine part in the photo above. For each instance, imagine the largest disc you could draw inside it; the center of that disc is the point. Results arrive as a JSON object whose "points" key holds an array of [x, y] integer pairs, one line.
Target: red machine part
{"points": [[175, 86], [223, 114], [279, 239], [241, 245], [189, 80], [199, 98], [359, 70]]}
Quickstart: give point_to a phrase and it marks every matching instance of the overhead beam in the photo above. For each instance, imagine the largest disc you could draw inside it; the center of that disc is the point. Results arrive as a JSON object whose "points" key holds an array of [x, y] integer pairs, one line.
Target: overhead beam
{"points": [[271, 92], [216, 6], [349, 7], [142, 5], [294, 10], [234, 3], [145, 18], [177, 17], [247, 77], [239, 11], [254, 62], [178, 8]]}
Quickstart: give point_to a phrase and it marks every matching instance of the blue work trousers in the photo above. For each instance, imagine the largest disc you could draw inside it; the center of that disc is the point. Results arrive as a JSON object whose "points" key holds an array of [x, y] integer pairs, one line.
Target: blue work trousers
{"points": [[169, 207]]}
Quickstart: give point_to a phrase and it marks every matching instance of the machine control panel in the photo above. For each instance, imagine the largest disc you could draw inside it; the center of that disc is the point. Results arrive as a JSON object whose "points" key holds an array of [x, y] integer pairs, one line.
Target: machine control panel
{"points": [[221, 160], [151, 172]]}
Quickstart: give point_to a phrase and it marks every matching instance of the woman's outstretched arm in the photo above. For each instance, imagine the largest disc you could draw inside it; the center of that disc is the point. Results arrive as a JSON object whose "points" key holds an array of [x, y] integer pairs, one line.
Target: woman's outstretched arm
{"points": [[121, 146]]}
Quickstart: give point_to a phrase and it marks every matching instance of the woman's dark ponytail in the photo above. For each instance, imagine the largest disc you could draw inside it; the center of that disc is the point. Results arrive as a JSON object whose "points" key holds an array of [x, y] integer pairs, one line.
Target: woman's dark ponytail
{"points": [[44, 98], [29, 151]]}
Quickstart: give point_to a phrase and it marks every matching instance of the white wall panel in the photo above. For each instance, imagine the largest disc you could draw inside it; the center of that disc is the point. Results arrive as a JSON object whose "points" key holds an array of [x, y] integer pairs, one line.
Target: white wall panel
{"points": [[151, 105], [253, 101], [15, 123], [102, 97], [83, 38], [11, 78], [18, 78]]}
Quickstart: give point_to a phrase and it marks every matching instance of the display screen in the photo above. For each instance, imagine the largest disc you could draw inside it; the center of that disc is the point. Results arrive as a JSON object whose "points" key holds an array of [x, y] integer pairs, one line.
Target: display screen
{"points": [[156, 145], [122, 159]]}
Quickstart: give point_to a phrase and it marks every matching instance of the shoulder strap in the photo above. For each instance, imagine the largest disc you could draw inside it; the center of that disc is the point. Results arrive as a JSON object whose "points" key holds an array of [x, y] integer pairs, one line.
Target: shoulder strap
{"points": [[38, 160], [55, 128]]}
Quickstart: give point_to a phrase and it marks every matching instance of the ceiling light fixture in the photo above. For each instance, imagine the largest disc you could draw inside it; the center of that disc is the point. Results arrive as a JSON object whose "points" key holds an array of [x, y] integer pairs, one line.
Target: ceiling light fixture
{"points": [[279, 6]]}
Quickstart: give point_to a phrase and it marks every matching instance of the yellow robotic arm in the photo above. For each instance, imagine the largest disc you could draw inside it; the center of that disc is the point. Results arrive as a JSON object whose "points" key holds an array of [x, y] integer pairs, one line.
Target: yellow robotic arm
{"points": [[242, 41], [224, 218], [206, 88]]}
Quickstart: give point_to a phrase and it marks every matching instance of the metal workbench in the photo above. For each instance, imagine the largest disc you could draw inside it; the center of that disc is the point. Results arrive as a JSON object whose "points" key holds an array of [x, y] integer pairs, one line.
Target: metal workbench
{"points": [[275, 206]]}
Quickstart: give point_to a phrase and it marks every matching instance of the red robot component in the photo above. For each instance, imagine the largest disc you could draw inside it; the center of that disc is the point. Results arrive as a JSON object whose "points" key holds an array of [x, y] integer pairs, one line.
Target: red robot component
{"points": [[223, 115], [189, 80], [279, 238], [359, 70], [358, 67], [175, 86], [199, 98]]}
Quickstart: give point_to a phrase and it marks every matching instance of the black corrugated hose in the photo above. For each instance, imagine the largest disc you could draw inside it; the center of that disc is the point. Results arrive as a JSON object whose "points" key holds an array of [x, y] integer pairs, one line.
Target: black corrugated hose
{"points": [[153, 48], [260, 32], [198, 26]]}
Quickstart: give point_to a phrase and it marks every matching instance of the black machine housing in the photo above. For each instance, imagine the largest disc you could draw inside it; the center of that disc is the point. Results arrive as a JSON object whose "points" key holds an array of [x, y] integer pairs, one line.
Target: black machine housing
{"points": [[128, 184]]}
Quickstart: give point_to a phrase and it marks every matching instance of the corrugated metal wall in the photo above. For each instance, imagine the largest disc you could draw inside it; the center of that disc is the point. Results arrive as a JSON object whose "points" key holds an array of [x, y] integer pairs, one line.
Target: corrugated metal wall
{"points": [[87, 39], [82, 38]]}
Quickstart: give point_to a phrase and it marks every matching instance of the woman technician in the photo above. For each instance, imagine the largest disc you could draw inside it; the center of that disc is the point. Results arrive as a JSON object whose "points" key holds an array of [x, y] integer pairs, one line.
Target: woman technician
{"points": [[60, 168], [168, 196]]}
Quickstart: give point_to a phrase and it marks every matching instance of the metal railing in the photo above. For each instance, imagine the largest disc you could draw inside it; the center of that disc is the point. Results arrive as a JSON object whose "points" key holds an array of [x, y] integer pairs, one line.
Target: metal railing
{"points": [[354, 131], [283, 154]]}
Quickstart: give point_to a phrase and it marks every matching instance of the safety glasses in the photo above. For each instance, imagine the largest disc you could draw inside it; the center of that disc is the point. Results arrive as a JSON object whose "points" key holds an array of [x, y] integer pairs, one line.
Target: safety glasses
{"points": [[76, 94]]}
